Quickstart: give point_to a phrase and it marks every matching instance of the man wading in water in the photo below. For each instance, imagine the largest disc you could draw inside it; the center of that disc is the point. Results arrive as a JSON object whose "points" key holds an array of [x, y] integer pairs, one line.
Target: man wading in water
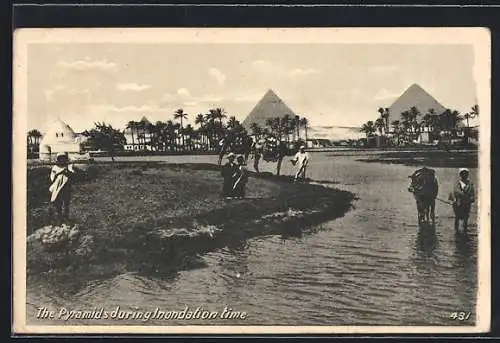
{"points": [[227, 172], [61, 176], [462, 197]]}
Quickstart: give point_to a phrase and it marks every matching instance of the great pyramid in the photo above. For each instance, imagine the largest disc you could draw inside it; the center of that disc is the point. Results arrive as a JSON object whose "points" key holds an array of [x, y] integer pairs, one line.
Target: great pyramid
{"points": [[268, 107], [414, 96]]}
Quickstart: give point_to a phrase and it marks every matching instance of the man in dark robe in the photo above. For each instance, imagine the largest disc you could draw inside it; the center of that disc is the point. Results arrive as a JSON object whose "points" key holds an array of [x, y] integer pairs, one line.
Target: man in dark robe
{"points": [[227, 172], [240, 178]]}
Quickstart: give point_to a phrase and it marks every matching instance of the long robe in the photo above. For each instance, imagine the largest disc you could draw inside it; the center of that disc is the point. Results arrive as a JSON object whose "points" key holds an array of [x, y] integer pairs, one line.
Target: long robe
{"points": [[227, 172], [462, 197], [59, 176]]}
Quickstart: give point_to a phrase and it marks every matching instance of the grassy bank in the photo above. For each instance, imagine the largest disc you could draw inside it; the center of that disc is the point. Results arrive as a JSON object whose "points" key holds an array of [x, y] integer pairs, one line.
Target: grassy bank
{"points": [[437, 158], [157, 217]]}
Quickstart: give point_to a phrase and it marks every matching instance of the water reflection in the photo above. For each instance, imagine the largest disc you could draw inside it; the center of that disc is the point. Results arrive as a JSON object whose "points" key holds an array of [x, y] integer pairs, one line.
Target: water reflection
{"points": [[426, 242], [465, 264]]}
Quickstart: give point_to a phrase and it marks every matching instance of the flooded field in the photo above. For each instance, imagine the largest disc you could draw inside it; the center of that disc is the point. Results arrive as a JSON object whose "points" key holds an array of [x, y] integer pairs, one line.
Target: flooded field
{"points": [[374, 266]]}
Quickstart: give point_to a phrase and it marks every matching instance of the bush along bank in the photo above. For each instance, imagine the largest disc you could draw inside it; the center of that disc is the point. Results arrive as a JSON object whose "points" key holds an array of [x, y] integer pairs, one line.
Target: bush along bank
{"points": [[154, 217]]}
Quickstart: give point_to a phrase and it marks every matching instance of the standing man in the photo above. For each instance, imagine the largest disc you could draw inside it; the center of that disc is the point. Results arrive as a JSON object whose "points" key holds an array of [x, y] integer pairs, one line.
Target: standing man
{"points": [[61, 176], [300, 160], [462, 197], [227, 172], [257, 149], [240, 178]]}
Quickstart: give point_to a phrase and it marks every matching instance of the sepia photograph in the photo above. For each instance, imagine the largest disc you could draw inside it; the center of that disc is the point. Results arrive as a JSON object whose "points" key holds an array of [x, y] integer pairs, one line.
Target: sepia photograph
{"points": [[251, 180]]}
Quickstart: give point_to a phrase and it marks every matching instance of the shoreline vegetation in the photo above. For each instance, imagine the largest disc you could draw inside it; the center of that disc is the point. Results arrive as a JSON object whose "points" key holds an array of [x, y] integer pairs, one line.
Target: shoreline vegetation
{"points": [[154, 217]]}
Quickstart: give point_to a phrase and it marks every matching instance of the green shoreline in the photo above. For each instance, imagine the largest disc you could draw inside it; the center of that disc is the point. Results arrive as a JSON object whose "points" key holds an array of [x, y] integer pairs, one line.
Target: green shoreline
{"points": [[155, 217]]}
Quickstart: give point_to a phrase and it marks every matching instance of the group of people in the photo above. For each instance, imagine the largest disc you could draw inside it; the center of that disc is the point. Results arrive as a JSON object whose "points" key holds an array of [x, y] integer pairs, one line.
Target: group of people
{"points": [[423, 185], [235, 175]]}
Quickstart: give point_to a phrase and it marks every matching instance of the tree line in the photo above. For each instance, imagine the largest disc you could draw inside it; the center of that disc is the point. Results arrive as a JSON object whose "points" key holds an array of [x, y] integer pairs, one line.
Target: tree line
{"points": [[174, 136], [413, 123]]}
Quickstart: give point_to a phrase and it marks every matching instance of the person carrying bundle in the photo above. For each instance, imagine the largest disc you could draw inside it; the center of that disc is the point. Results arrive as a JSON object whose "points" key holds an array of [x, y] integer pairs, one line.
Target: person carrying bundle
{"points": [[61, 176]]}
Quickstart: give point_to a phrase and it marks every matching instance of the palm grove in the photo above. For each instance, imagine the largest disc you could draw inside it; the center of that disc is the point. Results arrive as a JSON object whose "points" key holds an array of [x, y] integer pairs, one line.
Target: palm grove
{"points": [[174, 136], [441, 127]]}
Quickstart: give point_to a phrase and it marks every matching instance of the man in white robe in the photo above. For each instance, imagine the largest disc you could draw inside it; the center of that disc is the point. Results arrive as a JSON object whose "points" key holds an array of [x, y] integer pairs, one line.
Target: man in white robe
{"points": [[60, 189], [300, 160]]}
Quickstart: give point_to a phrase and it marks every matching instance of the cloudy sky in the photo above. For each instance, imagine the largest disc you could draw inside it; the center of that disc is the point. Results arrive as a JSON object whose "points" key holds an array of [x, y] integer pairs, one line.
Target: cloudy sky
{"points": [[331, 84]]}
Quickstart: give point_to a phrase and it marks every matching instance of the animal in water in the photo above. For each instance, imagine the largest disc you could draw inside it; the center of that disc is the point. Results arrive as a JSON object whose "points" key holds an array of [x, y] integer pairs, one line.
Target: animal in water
{"points": [[424, 186]]}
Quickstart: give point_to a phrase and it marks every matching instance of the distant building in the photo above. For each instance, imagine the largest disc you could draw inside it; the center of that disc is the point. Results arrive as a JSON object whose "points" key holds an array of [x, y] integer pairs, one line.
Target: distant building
{"points": [[60, 138]]}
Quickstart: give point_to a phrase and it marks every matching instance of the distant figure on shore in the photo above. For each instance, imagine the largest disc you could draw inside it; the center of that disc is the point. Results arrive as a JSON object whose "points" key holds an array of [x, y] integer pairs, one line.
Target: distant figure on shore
{"points": [[462, 197], [300, 160], [61, 176], [424, 186], [240, 178], [227, 172], [257, 150]]}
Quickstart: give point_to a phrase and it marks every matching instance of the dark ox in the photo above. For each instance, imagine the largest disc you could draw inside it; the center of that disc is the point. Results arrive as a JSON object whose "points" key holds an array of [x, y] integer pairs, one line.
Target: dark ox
{"points": [[424, 186]]}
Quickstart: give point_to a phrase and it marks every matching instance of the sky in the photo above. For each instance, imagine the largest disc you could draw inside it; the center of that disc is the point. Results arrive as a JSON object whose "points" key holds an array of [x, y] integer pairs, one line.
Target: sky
{"points": [[330, 84]]}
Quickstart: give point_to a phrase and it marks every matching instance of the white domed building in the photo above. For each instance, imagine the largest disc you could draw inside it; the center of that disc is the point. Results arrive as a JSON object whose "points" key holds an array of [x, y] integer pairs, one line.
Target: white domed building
{"points": [[60, 138]]}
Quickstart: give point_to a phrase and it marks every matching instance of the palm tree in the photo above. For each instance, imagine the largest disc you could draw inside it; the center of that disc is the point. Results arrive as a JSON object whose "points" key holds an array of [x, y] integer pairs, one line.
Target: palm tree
{"points": [[471, 115], [219, 114], [34, 139], [132, 125], [188, 131], [141, 132], [256, 129], [368, 128], [286, 123], [180, 114], [449, 121], [304, 122], [200, 121], [396, 128], [297, 126], [232, 122], [379, 125]]}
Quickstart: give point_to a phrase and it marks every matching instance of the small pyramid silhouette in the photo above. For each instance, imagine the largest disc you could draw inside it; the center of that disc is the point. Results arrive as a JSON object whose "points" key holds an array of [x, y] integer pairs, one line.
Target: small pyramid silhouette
{"points": [[269, 106], [145, 120], [414, 96]]}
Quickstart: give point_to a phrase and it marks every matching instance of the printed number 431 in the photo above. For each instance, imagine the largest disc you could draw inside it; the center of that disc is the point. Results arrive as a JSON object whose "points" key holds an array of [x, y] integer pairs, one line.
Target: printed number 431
{"points": [[460, 315]]}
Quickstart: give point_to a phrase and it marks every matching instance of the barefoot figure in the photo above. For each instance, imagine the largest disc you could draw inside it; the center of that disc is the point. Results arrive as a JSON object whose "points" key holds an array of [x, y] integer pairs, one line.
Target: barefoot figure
{"points": [[462, 197]]}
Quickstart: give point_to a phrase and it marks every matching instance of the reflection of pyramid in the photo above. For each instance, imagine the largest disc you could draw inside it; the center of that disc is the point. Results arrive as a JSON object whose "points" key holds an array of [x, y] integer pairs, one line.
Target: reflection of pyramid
{"points": [[269, 106], [414, 96]]}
